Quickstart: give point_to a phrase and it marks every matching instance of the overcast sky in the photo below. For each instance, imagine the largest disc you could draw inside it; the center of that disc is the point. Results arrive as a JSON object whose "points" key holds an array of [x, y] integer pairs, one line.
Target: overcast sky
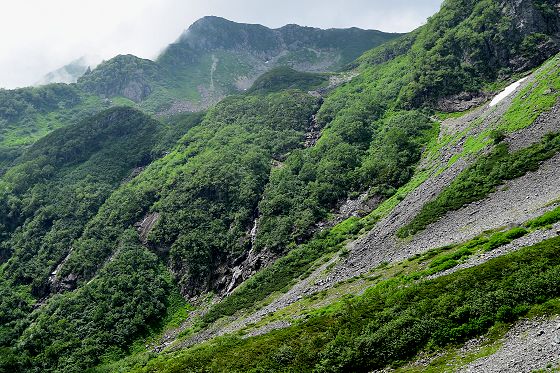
{"points": [[38, 36]]}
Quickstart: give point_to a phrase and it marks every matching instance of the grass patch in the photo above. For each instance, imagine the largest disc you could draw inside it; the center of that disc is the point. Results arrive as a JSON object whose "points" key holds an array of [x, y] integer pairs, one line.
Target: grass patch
{"points": [[545, 220], [534, 99]]}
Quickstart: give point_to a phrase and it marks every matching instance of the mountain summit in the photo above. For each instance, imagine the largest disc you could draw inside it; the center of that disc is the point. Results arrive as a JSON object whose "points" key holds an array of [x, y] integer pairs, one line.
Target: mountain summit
{"points": [[216, 57]]}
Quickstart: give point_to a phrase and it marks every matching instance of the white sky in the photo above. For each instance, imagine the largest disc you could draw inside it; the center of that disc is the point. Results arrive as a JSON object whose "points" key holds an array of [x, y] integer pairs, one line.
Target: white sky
{"points": [[38, 36]]}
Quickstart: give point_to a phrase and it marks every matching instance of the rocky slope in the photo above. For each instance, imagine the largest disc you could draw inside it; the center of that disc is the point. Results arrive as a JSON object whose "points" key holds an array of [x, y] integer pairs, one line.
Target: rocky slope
{"points": [[529, 346], [516, 202], [277, 214]]}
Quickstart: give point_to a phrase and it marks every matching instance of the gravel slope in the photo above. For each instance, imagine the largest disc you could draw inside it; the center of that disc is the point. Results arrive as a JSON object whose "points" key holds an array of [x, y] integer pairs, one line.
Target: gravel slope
{"points": [[528, 346]]}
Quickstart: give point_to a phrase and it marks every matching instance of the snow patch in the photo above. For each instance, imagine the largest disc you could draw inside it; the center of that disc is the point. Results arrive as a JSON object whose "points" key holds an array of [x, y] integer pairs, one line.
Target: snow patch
{"points": [[506, 92]]}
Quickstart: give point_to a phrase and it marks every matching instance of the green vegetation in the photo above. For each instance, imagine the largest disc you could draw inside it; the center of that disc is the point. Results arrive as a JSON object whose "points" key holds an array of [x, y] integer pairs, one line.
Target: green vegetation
{"points": [[75, 330], [85, 282], [481, 179], [282, 78], [390, 323], [357, 156], [28, 114], [48, 198], [70, 204]]}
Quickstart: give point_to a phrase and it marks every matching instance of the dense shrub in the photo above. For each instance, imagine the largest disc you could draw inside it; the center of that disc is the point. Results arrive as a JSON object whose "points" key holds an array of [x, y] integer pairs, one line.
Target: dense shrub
{"points": [[391, 322]]}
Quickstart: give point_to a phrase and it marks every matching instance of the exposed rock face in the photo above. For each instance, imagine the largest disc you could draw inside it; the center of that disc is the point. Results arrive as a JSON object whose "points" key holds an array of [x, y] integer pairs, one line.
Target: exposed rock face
{"points": [[462, 101], [532, 16], [533, 36], [248, 265], [145, 226]]}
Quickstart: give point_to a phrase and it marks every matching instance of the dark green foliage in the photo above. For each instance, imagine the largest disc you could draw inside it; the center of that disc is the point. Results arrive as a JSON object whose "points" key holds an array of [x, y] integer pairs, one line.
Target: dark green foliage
{"points": [[68, 202], [15, 104], [462, 48], [282, 78], [49, 196], [482, 178], [206, 190], [350, 155], [391, 322], [74, 330]]}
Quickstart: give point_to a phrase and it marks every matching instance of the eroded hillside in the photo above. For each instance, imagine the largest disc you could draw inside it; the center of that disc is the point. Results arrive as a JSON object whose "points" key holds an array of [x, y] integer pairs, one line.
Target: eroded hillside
{"points": [[401, 215]]}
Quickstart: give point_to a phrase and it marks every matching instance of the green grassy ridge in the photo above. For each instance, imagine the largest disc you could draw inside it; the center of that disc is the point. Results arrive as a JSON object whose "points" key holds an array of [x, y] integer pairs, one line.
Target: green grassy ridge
{"points": [[390, 322], [27, 114], [480, 179], [284, 77]]}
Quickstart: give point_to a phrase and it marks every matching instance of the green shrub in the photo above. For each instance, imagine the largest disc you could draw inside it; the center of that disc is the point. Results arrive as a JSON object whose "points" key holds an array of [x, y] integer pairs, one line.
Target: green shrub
{"points": [[392, 321]]}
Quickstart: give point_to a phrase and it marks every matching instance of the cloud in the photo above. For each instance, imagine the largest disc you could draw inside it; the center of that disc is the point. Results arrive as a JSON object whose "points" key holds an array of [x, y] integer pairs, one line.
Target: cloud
{"points": [[40, 36]]}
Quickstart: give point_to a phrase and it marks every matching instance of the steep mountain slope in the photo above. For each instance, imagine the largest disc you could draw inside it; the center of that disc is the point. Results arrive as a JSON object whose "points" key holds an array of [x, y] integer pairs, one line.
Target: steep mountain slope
{"points": [[212, 59], [347, 228], [403, 310], [357, 103], [216, 57]]}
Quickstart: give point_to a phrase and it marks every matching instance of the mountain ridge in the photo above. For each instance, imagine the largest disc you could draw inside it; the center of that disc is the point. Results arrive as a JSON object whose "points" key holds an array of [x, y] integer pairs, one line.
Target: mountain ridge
{"points": [[302, 225], [238, 54]]}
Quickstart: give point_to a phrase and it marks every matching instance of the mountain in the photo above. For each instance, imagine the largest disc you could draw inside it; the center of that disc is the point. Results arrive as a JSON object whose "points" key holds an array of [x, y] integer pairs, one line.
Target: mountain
{"points": [[216, 57], [212, 59], [71, 72], [401, 213]]}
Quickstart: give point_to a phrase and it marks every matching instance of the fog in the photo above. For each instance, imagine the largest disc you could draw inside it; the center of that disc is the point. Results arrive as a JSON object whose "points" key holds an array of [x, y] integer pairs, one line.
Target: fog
{"points": [[41, 36]]}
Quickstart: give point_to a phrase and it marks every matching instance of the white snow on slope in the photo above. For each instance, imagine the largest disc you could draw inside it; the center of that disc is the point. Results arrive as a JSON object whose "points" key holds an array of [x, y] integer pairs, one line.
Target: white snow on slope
{"points": [[506, 92]]}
